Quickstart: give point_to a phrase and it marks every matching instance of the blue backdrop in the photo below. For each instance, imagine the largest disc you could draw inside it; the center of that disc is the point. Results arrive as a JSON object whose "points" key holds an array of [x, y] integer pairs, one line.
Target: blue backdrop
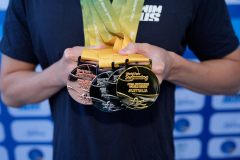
{"points": [[206, 127]]}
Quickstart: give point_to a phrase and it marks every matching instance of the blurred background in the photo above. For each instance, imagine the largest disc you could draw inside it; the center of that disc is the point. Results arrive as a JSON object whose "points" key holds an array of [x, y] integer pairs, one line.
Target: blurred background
{"points": [[206, 127]]}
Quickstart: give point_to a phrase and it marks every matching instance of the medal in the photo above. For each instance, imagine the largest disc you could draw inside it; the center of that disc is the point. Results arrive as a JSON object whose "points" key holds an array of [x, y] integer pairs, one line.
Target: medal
{"points": [[98, 93], [79, 82], [138, 87], [112, 86], [107, 90]]}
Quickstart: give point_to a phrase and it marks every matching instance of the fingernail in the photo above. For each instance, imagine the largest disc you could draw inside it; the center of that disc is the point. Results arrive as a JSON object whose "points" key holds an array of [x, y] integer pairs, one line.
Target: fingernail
{"points": [[123, 51]]}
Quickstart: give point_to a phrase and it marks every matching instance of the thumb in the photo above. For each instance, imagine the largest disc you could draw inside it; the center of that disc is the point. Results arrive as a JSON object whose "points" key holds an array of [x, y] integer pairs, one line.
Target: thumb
{"points": [[132, 48]]}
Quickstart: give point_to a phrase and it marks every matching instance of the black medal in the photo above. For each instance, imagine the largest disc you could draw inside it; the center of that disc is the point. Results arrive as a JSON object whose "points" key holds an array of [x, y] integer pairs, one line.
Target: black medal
{"points": [[79, 82], [99, 95], [138, 87], [112, 86]]}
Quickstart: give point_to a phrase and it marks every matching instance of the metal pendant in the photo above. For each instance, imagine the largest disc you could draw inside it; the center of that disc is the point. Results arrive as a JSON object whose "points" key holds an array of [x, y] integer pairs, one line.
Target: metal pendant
{"points": [[79, 82], [99, 95], [112, 86], [138, 87]]}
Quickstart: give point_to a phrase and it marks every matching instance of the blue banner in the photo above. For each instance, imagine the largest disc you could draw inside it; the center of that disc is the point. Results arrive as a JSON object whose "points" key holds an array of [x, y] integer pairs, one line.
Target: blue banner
{"points": [[206, 127]]}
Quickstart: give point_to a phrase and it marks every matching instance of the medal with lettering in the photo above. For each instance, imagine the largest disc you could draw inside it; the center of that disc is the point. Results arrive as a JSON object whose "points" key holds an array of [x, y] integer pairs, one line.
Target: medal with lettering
{"points": [[99, 95], [138, 87], [115, 26], [112, 86], [79, 82]]}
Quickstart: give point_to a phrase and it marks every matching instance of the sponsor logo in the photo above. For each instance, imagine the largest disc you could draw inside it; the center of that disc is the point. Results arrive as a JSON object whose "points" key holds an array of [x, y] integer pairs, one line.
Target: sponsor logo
{"points": [[33, 152], [182, 125], [4, 5], [226, 102], [186, 100], [32, 131], [233, 1], [31, 110], [188, 125], [224, 147], [187, 149], [228, 147], [151, 13], [225, 123], [232, 99], [2, 133]]}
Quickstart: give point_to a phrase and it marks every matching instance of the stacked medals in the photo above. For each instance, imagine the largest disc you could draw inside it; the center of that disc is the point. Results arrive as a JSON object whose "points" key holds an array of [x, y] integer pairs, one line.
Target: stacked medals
{"points": [[130, 87]]}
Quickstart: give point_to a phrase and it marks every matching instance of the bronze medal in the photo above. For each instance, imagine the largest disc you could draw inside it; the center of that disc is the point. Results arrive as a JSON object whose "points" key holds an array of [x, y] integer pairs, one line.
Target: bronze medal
{"points": [[79, 82], [138, 87], [99, 95]]}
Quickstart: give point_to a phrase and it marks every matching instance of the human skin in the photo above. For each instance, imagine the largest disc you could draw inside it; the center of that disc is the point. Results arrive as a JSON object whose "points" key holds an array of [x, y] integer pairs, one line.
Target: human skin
{"points": [[21, 85]]}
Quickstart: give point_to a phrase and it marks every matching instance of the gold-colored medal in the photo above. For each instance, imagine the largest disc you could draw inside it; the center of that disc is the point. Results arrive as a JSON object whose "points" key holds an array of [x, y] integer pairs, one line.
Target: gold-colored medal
{"points": [[115, 26], [138, 87]]}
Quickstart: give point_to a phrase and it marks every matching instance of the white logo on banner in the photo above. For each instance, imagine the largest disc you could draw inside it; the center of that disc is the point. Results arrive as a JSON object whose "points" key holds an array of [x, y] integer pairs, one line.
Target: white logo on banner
{"points": [[186, 100], [188, 125], [4, 5], [232, 1], [33, 152], [187, 149], [224, 147], [151, 13], [32, 130], [2, 133], [3, 153], [226, 102], [31, 110], [225, 123]]}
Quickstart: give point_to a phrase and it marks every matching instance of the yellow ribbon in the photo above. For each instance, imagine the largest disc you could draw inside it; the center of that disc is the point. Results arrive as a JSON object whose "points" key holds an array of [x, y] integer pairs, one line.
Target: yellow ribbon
{"points": [[103, 33]]}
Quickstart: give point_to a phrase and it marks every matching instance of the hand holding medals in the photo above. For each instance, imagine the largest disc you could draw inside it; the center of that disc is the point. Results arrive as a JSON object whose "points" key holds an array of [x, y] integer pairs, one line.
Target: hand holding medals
{"points": [[114, 25], [133, 87]]}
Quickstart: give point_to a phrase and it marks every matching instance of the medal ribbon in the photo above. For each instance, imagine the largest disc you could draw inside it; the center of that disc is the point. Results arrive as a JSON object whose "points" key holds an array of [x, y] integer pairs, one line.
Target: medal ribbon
{"points": [[113, 25]]}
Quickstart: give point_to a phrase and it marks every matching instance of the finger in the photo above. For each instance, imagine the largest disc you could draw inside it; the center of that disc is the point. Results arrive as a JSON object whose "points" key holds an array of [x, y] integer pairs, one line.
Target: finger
{"points": [[130, 49], [72, 54], [159, 67], [135, 48], [159, 79]]}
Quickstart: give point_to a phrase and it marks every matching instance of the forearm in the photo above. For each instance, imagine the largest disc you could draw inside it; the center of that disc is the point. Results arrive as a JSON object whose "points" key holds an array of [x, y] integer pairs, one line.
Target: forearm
{"points": [[220, 76], [27, 87], [21, 85]]}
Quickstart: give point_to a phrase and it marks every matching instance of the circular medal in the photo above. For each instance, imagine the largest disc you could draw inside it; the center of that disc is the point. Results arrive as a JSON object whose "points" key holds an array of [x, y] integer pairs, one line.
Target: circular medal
{"points": [[79, 82], [112, 86], [99, 95], [138, 87]]}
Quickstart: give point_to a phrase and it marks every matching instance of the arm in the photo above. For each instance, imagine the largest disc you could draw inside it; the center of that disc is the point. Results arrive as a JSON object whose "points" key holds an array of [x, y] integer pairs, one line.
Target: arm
{"points": [[21, 85], [219, 76]]}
